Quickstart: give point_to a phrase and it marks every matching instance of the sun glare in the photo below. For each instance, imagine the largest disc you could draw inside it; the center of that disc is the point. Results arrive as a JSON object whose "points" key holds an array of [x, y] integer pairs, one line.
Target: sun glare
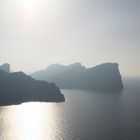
{"points": [[29, 9], [29, 5]]}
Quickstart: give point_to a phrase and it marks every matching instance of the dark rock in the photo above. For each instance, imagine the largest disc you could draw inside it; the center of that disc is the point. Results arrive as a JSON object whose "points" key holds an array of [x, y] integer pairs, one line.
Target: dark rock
{"points": [[17, 88], [5, 67]]}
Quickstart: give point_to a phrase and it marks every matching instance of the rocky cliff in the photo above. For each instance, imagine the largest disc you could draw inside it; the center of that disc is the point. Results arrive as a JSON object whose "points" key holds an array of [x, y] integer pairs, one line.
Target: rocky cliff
{"points": [[104, 77], [17, 88], [5, 67]]}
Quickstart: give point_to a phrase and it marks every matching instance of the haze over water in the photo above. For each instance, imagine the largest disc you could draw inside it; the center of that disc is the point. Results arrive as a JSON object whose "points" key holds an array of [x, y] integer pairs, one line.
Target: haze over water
{"points": [[85, 115], [37, 33]]}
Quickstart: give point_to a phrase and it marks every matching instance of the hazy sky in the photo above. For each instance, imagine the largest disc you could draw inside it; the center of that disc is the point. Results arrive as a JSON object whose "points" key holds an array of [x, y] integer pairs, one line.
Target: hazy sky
{"points": [[36, 33]]}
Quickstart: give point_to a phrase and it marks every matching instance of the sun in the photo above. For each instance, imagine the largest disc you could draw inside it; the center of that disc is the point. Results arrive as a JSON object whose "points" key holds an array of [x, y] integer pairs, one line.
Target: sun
{"points": [[29, 4], [29, 7]]}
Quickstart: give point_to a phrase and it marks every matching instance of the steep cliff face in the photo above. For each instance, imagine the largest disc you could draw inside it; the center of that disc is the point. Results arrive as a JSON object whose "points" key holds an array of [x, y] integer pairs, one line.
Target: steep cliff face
{"points": [[5, 67], [104, 77], [18, 87]]}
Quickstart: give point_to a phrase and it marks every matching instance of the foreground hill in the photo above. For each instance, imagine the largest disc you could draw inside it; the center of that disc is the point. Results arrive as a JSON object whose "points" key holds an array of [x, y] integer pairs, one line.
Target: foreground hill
{"points": [[17, 88], [104, 77]]}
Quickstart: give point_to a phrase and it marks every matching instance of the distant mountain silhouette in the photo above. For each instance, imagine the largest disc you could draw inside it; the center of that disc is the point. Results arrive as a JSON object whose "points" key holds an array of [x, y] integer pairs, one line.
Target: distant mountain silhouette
{"points": [[17, 88], [5, 67], [104, 77]]}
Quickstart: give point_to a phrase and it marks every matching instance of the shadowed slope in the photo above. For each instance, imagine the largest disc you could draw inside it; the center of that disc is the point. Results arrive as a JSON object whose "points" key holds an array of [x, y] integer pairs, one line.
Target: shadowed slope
{"points": [[17, 88]]}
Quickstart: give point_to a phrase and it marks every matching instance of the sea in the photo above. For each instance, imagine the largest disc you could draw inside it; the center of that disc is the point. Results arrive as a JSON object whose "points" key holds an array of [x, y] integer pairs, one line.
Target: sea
{"points": [[85, 115]]}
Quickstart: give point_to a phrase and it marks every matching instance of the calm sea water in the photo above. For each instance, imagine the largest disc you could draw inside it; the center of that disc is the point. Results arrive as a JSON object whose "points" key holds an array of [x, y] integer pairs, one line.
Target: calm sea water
{"points": [[85, 115]]}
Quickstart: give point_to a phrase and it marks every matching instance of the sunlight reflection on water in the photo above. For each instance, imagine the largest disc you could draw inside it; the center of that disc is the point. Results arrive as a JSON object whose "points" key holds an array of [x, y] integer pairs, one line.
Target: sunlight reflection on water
{"points": [[29, 121], [84, 115]]}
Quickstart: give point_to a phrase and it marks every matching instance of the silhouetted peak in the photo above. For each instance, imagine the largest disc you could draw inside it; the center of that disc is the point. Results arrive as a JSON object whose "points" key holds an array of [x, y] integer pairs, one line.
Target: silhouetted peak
{"points": [[63, 67], [104, 77], [5, 67], [106, 66], [55, 66], [76, 65], [109, 64], [21, 75]]}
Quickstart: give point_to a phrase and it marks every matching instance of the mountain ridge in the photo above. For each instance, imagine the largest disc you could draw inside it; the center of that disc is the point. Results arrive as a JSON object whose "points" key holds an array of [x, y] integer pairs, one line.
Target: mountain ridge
{"points": [[80, 77]]}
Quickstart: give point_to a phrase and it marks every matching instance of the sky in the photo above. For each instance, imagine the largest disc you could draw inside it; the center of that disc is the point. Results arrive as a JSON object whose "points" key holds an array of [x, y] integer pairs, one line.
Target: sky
{"points": [[37, 33]]}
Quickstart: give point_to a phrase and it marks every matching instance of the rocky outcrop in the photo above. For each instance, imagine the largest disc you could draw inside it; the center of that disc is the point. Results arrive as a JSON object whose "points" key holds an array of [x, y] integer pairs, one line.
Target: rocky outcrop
{"points": [[17, 88], [104, 77], [5, 67]]}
